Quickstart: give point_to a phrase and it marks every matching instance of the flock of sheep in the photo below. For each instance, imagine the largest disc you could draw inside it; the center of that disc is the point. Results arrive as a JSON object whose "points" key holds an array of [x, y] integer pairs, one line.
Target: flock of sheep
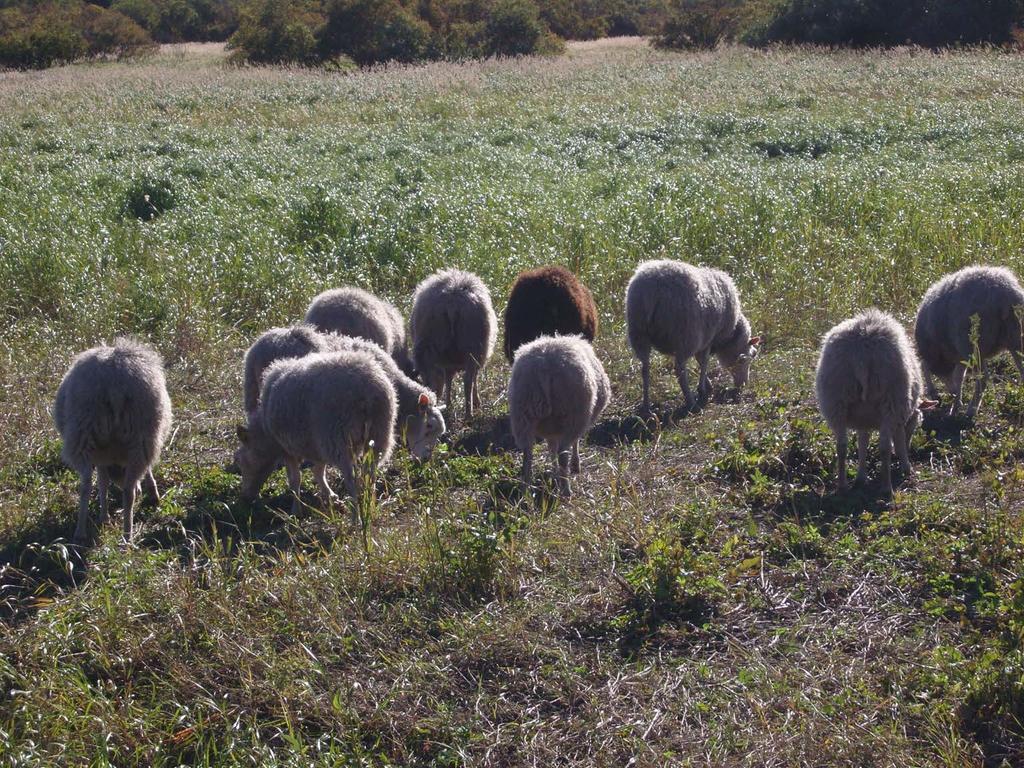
{"points": [[336, 389]]}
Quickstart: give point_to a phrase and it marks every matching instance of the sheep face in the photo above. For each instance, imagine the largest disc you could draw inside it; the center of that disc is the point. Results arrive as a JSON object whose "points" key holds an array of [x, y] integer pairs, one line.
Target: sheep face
{"points": [[423, 430], [256, 459], [740, 369]]}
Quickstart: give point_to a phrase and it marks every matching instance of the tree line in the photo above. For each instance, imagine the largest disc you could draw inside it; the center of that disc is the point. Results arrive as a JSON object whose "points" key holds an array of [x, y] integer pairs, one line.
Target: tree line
{"points": [[41, 33], [346, 33], [843, 23]]}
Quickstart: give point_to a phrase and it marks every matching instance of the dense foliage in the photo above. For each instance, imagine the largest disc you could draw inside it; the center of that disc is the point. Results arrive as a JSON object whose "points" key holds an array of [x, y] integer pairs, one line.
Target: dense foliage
{"points": [[857, 23], [44, 34], [173, 21], [372, 31]]}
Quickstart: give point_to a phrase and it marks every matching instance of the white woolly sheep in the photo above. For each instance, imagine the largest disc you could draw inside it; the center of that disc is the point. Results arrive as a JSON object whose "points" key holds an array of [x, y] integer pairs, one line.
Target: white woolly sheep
{"points": [[112, 411], [557, 390], [354, 312], [419, 418], [454, 328], [327, 408], [687, 311], [868, 378], [943, 331]]}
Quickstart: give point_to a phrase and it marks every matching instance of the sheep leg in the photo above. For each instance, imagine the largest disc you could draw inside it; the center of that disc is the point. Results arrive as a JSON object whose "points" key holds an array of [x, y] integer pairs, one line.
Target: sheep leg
{"points": [[863, 436], [84, 492], [294, 470], [842, 444], [352, 484], [929, 385], [327, 496], [575, 465], [132, 475], [1018, 360], [979, 386], [901, 443], [956, 385], [103, 486], [527, 475], [151, 489], [468, 381], [885, 449], [645, 379], [476, 390], [703, 382], [684, 384], [448, 376], [564, 488]]}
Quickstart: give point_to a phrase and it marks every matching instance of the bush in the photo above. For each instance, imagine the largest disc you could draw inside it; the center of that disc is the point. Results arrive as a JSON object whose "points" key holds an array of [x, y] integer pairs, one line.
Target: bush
{"points": [[38, 36], [173, 21], [860, 23], [857, 23], [699, 24], [147, 197], [513, 28], [372, 31], [274, 32]]}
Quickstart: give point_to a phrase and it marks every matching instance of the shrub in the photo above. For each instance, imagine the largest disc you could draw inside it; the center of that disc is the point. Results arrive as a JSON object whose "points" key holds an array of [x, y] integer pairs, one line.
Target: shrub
{"points": [[513, 28], [172, 21], [112, 34], [699, 24], [894, 22], [274, 32], [147, 197], [372, 31], [33, 37]]}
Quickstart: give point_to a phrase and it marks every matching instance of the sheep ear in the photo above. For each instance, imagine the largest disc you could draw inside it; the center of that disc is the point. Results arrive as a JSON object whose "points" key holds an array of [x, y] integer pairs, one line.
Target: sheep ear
{"points": [[927, 405], [755, 340], [243, 434], [424, 402]]}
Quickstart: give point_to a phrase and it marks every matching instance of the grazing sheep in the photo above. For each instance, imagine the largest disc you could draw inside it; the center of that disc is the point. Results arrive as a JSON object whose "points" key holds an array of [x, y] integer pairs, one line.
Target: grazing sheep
{"points": [[112, 411], [453, 329], [544, 302], [944, 322], [687, 311], [278, 344], [868, 378], [355, 312], [328, 408], [557, 390], [419, 418]]}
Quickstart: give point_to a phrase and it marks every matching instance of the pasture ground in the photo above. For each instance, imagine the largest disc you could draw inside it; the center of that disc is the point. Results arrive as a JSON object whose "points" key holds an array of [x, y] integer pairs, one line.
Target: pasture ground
{"points": [[704, 599]]}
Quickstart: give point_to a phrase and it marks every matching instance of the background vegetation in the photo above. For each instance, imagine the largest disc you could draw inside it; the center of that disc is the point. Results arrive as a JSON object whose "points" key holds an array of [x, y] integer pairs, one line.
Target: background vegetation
{"points": [[852, 23], [705, 600], [36, 34]]}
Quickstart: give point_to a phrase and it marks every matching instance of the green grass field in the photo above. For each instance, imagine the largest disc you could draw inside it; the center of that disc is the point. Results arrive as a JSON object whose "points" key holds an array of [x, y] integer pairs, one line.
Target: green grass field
{"points": [[705, 599]]}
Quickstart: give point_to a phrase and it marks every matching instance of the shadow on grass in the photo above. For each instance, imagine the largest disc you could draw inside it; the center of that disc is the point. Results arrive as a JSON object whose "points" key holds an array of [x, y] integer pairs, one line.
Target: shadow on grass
{"points": [[830, 505], [943, 428], [218, 516], [490, 434], [32, 574], [638, 427]]}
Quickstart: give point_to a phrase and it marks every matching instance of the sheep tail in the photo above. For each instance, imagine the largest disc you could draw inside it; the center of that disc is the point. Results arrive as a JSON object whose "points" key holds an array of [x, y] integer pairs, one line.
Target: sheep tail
{"points": [[862, 376]]}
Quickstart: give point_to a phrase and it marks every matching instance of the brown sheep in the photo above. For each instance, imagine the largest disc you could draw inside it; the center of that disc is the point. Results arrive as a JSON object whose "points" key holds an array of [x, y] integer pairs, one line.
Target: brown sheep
{"points": [[544, 302]]}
